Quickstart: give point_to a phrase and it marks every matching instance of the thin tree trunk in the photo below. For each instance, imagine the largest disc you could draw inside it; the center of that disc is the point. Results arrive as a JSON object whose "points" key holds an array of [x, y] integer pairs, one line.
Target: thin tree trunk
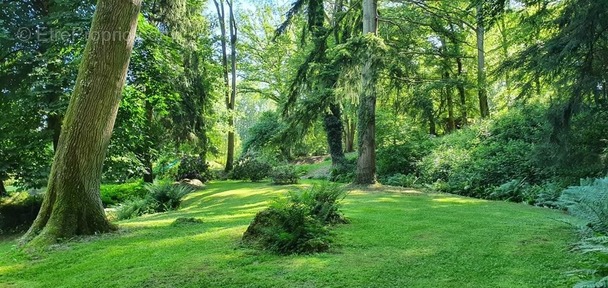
{"points": [[462, 93], [233, 38], [147, 157], [72, 205], [3, 191], [450, 101], [349, 134], [366, 163], [221, 14], [484, 109]]}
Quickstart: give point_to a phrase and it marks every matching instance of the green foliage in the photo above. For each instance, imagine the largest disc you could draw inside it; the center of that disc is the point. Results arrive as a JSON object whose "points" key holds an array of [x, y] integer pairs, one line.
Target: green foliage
{"points": [[344, 173], [181, 221], [297, 224], [403, 158], [476, 160], [112, 194], [250, 167], [193, 167], [398, 179], [18, 212], [167, 195], [134, 208], [324, 202], [161, 196], [284, 175], [287, 228], [589, 201]]}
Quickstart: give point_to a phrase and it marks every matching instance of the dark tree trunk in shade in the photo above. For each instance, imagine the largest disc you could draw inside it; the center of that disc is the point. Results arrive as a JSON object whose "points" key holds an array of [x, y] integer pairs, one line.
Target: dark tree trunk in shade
{"points": [[72, 205], [3, 191], [333, 127]]}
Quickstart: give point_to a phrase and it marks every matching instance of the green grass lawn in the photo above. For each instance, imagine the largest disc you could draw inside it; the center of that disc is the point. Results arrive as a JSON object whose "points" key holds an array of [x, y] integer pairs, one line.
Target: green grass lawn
{"points": [[396, 238]]}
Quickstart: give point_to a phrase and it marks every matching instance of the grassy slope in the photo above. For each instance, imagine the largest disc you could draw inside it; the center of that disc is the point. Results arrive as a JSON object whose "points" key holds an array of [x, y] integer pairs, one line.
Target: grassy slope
{"points": [[394, 240]]}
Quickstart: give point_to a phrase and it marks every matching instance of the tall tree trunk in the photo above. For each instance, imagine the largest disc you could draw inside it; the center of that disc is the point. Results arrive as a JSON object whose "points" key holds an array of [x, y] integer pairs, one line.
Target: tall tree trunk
{"points": [[3, 191], [349, 134], [484, 109], [334, 129], [231, 129], [462, 93], [366, 163], [332, 121], [72, 205], [221, 14], [147, 157], [450, 101]]}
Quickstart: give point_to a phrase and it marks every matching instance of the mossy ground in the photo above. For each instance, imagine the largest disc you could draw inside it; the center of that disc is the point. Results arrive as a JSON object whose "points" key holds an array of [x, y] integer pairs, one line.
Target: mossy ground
{"points": [[396, 238]]}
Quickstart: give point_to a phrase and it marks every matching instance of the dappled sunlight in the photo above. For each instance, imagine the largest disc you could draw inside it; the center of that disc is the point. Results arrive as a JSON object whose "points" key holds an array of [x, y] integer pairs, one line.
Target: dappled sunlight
{"points": [[459, 200]]}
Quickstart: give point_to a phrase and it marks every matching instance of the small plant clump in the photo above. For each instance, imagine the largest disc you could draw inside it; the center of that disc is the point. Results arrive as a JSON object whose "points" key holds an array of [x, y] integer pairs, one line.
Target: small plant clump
{"points": [[284, 175], [161, 196], [181, 221], [298, 224]]}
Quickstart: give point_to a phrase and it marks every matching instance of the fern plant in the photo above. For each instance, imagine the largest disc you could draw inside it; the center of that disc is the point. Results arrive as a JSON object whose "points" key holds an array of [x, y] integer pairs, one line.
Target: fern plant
{"points": [[589, 201]]}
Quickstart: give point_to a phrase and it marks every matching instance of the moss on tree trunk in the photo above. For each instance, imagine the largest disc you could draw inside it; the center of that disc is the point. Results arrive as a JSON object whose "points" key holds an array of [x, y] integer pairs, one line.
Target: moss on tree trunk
{"points": [[72, 204], [366, 163]]}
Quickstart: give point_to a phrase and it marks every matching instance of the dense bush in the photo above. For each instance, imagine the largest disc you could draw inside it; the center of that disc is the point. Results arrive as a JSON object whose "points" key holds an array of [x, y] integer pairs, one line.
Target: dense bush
{"points": [[403, 158], [161, 196], [284, 175], [297, 224], [250, 167], [193, 167], [112, 194], [18, 212]]}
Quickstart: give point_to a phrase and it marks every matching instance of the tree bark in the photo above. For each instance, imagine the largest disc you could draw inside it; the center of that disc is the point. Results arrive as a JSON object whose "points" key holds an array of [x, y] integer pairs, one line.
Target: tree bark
{"points": [[366, 163], [3, 191], [333, 127], [450, 101], [462, 93], [147, 157], [484, 109], [233, 38], [72, 204], [349, 135]]}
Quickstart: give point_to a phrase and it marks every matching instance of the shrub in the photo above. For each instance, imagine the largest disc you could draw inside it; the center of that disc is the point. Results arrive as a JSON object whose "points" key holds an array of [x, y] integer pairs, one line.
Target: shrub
{"points": [[297, 224], [250, 167], [403, 158], [193, 167], [323, 201], [135, 207], [344, 173], [284, 175], [182, 221], [18, 212], [168, 195], [589, 201], [287, 228], [161, 196], [400, 180], [112, 194]]}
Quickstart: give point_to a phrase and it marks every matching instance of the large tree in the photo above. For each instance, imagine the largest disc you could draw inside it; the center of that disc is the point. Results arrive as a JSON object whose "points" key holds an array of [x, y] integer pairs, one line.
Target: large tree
{"points": [[366, 163], [72, 204]]}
